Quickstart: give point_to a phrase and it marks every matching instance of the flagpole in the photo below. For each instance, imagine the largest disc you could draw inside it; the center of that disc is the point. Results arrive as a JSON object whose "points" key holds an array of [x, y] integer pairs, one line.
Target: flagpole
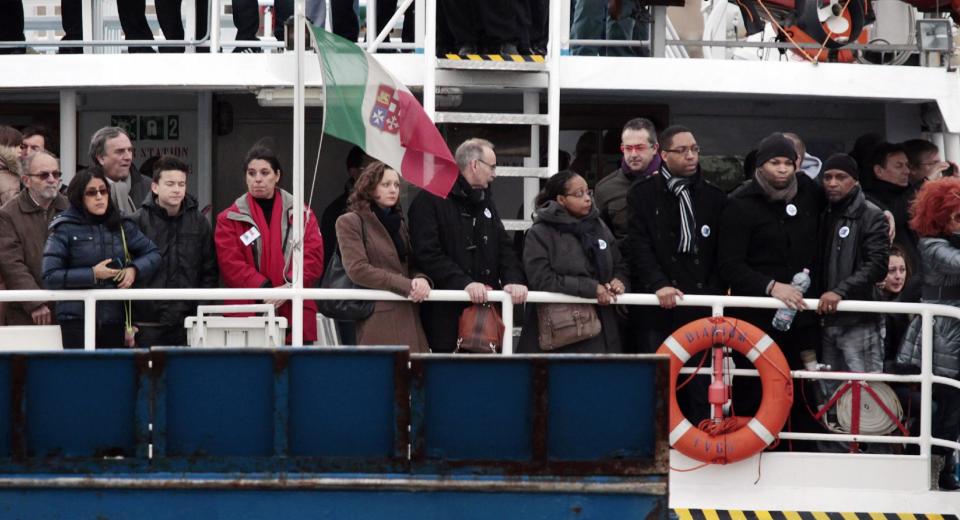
{"points": [[298, 131]]}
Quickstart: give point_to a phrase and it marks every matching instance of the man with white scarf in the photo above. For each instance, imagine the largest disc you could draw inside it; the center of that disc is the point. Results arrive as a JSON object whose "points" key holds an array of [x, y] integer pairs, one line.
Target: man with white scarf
{"points": [[110, 147]]}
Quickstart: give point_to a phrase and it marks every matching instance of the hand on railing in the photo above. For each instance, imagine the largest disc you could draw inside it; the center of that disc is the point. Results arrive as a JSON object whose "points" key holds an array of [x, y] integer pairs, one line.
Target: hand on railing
{"points": [[517, 292], [419, 290], [477, 292]]}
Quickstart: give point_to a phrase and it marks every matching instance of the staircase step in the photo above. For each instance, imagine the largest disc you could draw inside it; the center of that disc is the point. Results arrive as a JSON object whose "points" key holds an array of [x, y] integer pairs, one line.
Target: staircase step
{"points": [[515, 171], [514, 62], [517, 225], [480, 118]]}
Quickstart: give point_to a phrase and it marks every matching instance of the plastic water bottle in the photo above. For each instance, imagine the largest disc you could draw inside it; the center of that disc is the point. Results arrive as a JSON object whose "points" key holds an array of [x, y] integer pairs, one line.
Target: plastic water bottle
{"points": [[784, 317]]}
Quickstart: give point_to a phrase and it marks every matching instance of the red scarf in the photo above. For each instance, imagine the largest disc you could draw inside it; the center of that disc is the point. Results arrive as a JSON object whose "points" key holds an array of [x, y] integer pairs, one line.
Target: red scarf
{"points": [[271, 239]]}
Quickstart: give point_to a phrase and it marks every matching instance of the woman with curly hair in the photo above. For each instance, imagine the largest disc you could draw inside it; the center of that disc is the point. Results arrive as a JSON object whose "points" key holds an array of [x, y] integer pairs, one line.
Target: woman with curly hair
{"points": [[375, 249], [936, 219]]}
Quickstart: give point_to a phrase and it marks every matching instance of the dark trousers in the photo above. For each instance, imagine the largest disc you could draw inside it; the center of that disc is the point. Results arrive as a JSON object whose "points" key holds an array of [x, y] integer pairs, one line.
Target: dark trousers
{"points": [[344, 20], [132, 20], [168, 15], [11, 24], [246, 17], [109, 335], [488, 24], [161, 336], [946, 417]]}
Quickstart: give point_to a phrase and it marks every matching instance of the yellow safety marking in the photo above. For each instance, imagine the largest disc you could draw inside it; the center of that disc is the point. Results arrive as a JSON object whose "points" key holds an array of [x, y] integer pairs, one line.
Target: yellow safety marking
{"points": [[934, 517], [474, 57], [537, 58], [793, 515], [763, 515], [737, 515], [849, 516], [683, 514], [711, 514], [453, 57], [821, 515], [495, 57], [878, 516], [517, 58], [907, 516]]}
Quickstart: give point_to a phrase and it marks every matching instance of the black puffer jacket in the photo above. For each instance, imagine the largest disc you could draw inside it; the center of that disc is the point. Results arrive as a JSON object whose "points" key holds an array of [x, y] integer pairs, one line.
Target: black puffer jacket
{"points": [[855, 251], [188, 259], [457, 241]]}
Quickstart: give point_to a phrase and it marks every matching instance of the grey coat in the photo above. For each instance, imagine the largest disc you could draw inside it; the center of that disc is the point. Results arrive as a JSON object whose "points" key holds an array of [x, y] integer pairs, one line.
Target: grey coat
{"points": [[555, 261], [941, 268]]}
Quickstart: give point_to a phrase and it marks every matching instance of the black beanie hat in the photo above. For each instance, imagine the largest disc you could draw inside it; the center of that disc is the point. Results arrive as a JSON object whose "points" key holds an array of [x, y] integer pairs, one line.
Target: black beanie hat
{"points": [[775, 145], [842, 162]]}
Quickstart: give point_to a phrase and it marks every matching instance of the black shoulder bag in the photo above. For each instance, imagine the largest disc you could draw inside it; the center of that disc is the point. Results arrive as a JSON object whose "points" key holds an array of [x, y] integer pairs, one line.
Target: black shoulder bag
{"points": [[336, 278]]}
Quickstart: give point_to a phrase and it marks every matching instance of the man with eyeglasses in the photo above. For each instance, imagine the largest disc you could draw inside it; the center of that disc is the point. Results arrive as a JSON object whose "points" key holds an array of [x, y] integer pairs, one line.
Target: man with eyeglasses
{"points": [[23, 232], [638, 142], [673, 238], [461, 244]]}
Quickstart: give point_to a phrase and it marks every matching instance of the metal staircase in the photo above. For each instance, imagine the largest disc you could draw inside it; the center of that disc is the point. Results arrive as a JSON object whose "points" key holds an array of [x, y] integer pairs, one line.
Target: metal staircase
{"points": [[530, 76]]}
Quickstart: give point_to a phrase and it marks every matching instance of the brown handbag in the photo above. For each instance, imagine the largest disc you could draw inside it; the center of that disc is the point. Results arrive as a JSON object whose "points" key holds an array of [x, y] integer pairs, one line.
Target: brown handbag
{"points": [[481, 330], [563, 324]]}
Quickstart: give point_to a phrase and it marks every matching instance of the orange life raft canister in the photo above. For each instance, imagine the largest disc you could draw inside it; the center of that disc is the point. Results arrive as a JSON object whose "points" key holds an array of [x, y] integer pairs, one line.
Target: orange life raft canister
{"points": [[751, 434]]}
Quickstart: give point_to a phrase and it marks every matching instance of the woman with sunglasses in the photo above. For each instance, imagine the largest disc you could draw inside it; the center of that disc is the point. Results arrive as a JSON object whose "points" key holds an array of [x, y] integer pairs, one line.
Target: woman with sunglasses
{"points": [[92, 247]]}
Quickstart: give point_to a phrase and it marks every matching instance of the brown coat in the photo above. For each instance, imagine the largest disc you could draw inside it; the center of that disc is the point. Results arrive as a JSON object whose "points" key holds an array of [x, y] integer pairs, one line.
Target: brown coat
{"points": [[376, 265], [23, 234]]}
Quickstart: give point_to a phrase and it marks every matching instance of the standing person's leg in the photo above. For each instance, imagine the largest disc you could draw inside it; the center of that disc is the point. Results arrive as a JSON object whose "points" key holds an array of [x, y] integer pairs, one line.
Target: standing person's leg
{"points": [[587, 24], [71, 17], [71, 334], [246, 17], [282, 10], [168, 16], [203, 21], [344, 20], [498, 18], [462, 20], [623, 28], [11, 25], [539, 25], [110, 335], [134, 24]]}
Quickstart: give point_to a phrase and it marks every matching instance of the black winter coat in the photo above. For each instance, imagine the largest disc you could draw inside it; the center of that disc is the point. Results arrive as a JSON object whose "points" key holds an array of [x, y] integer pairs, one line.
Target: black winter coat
{"points": [[76, 244], [652, 239], [457, 241], [555, 261], [188, 259], [761, 242], [856, 251]]}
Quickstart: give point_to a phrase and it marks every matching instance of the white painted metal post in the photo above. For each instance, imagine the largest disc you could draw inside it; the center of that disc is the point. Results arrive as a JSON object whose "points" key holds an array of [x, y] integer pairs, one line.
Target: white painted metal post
{"points": [[951, 147], [658, 39], [68, 134], [507, 310], [926, 388], [298, 131], [937, 139], [215, 9], [564, 31], [430, 60], [203, 169], [531, 185], [371, 20], [89, 323], [388, 27], [419, 27], [553, 87], [86, 21], [190, 28]]}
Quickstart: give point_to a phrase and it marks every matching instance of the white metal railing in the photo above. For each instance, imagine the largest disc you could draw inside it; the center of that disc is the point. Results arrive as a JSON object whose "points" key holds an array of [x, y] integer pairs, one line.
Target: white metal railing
{"points": [[927, 312]]}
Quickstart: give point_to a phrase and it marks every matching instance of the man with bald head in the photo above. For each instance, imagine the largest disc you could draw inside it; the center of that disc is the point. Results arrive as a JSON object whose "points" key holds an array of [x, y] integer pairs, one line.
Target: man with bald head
{"points": [[23, 233]]}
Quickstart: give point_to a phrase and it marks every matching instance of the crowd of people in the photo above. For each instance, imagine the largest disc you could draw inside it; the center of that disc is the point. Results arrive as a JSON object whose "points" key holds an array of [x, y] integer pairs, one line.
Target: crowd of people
{"points": [[493, 26], [881, 223]]}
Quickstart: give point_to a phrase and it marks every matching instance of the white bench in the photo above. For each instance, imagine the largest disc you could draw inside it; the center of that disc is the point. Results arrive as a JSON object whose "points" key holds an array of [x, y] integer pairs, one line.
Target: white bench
{"points": [[209, 328], [30, 338]]}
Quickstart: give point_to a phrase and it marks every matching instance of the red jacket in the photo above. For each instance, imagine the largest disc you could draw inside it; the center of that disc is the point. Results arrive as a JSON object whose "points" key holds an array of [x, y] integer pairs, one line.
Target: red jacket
{"points": [[239, 263]]}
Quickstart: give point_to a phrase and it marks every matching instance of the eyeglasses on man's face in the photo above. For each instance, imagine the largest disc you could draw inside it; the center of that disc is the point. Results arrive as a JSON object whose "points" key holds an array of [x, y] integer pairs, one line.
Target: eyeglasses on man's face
{"points": [[45, 175], [684, 150], [493, 167]]}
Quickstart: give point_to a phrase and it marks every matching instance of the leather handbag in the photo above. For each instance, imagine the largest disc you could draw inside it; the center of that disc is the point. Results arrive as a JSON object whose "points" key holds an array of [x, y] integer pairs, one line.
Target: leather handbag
{"points": [[336, 278], [481, 330], [563, 324]]}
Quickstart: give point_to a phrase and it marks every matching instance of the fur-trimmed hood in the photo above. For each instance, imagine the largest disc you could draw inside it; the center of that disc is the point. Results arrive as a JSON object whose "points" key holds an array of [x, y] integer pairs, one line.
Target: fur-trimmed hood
{"points": [[11, 157]]}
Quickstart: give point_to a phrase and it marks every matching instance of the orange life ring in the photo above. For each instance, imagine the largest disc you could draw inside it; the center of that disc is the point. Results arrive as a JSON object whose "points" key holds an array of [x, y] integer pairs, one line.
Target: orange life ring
{"points": [[751, 435]]}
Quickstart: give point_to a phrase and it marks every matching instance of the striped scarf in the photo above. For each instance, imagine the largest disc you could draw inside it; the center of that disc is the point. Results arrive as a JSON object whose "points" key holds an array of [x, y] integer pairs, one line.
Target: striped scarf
{"points": [[680, 187]]}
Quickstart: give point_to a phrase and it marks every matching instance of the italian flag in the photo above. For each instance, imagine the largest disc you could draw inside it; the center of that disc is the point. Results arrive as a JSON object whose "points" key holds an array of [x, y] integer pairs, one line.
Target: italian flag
{"points": [[368, 107]]}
